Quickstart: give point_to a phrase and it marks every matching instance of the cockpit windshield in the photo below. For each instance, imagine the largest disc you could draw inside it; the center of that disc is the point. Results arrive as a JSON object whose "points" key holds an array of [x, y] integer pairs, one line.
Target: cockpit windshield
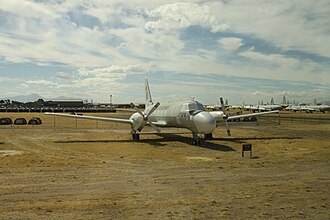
{"points": [[196, 106], [194, 112]]}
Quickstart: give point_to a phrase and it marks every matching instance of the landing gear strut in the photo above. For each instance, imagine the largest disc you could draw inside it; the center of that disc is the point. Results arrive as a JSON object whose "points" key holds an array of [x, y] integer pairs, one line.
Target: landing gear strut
{"points": [[196, 140], [135, 136]]}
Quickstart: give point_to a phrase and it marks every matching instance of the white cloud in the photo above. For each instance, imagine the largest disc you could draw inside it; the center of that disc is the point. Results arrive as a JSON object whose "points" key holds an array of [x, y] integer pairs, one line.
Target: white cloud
{"points": [[117, 71], [268, 59], [230, 43], [41, 82], [291, 25], [181, 15], [64, 76], [106, 41], [28, 9]]}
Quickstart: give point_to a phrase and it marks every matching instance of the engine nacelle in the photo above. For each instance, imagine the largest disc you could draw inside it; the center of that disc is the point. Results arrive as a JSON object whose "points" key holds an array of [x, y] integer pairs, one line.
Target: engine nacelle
{"points": [[138, 121], [204, 122]]}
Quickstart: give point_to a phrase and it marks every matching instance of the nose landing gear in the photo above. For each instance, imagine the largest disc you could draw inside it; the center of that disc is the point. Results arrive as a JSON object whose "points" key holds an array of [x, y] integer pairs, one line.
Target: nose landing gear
{"points": [[208, 136]]}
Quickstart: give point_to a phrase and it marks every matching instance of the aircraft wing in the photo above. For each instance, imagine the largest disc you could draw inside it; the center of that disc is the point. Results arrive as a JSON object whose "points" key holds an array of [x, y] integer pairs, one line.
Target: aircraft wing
{"points": [[119, 120], [250, 115]]}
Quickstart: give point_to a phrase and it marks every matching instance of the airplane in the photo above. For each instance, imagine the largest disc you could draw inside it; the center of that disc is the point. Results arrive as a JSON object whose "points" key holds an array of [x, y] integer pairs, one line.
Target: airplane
{"points": [[188, 114], [268, 107], [217, 106], [293, 108], [303, 107], [319, 107]]}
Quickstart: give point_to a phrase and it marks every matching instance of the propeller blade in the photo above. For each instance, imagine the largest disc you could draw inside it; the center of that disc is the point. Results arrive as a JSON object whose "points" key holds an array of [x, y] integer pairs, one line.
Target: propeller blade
{"points": [[152, 110], [225, 116], [227, 127], [154, 126], [222, 105]]}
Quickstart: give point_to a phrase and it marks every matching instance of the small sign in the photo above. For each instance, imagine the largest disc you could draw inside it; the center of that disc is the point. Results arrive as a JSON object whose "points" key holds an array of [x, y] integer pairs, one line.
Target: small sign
{"points": [[247, 147]]}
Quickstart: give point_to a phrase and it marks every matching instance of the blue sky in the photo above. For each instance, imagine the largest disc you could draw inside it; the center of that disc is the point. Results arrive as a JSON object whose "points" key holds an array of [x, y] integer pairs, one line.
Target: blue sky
{"points": [[240, 50]]}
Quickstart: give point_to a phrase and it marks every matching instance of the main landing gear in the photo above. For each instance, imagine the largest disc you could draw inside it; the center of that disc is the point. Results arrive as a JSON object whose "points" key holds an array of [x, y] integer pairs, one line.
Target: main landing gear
{"points": [[197, 141], [135, 136]]}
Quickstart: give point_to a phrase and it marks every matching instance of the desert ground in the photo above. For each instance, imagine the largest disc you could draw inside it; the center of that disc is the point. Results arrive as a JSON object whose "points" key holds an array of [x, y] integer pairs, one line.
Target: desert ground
{"points": [[83, 169]]}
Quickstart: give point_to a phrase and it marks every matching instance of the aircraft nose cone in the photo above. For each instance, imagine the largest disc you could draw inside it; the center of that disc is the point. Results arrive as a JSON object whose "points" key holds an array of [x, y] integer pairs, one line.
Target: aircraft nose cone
{"points": [[204, 123]]}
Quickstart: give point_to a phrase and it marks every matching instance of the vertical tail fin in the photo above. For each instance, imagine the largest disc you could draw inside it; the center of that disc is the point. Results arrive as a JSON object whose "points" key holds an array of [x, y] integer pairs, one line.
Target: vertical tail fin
{"points": [[148, 100], [284, 100]]}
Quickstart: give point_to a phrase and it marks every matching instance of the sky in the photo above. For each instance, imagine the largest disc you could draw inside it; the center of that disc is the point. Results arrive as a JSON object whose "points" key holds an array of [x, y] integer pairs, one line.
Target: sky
{"points": [[244, 51]]}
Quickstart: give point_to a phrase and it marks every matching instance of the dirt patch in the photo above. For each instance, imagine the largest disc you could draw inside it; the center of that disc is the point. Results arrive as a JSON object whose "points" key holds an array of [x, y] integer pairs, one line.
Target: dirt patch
{"points": [[200, 158], [10, 152]]}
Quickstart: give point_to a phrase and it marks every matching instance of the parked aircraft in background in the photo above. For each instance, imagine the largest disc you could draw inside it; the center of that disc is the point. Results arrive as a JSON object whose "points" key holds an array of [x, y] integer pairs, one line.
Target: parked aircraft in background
{"points": [[319, 107], [190, 115], [217, 107], [267, 107], [316, 107], [285, 105]]}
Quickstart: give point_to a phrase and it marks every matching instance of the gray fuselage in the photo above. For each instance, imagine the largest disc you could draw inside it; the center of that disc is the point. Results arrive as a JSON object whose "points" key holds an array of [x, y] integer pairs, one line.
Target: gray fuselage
{"points": [[178, 114]]}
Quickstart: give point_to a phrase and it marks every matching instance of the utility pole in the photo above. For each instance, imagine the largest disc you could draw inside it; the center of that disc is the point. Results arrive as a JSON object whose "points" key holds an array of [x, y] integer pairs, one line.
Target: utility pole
{"points": [[111, 100]]}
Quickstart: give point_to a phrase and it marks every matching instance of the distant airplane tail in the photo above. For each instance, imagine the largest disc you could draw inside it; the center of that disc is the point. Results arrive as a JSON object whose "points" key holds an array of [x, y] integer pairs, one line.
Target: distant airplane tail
{"points": [[284, 100], [148, 100]]}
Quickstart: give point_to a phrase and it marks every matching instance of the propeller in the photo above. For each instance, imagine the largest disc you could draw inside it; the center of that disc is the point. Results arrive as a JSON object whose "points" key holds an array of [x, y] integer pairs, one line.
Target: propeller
{"points": [[145, 117], [225, 116]]}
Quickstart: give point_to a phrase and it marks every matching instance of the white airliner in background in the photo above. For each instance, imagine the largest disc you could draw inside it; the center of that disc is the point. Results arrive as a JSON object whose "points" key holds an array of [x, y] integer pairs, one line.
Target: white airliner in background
{"points": [[190, 115], [267, 107], [309, 108]]}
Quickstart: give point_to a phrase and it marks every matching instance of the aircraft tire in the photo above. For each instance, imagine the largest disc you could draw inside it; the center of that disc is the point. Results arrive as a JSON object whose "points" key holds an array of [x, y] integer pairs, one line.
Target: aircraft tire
{"points": [[136, 137], [196, 142], [208, 136]]}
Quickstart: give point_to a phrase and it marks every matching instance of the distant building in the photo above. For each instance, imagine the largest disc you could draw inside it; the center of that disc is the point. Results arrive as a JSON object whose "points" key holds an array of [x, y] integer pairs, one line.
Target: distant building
{"points": [[124, 105], [64, 103]]}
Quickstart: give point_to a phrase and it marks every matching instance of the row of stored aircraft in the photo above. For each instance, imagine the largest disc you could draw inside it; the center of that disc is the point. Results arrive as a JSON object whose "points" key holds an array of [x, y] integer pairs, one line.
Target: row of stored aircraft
{"points": [[254, 108], [302, 107], [190, 115], [309, 108]]}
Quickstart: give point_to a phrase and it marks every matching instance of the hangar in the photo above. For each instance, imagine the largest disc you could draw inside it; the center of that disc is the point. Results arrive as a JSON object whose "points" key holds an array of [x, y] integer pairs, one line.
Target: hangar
{"points": [[64, 103]]}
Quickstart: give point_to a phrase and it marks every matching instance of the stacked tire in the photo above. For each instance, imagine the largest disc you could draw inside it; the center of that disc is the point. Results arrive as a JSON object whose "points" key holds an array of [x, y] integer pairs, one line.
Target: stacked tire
{"points": [[5, 121]]}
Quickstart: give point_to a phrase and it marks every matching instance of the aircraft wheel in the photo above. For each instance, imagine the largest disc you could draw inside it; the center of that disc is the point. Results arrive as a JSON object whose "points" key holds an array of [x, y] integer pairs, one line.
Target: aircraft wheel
{"points": [[208, 136], [196, 142], [136, 137]]}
